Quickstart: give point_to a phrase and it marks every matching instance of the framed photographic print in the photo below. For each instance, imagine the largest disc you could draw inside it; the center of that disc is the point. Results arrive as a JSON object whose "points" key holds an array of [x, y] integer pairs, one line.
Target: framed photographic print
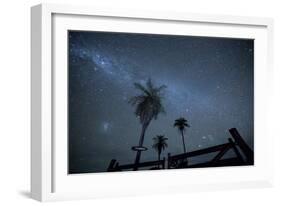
{"points": [[121, 99]]}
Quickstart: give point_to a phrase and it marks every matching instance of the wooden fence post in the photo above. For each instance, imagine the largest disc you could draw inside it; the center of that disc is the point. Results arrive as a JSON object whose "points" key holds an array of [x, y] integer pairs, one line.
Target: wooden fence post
{"points": [[169, 160], [220, 155], [111, 165], [243, 145], [239, 156]]}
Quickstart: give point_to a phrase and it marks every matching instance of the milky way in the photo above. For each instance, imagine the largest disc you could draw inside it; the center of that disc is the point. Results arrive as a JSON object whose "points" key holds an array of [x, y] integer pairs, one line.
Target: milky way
{"points": [[209, 82]]}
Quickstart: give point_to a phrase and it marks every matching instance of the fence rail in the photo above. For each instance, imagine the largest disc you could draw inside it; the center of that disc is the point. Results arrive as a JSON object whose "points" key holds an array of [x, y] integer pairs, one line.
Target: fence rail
{"points": [[114, 165]]}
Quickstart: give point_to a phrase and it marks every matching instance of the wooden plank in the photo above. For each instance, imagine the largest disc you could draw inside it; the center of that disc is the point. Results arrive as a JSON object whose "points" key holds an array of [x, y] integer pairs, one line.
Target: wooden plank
{"points": [[223, 162], [220, 154], [163, 163], [169, 160], [238, 154], [111, 165], [243, 145], [200, 152], [141, 164]]}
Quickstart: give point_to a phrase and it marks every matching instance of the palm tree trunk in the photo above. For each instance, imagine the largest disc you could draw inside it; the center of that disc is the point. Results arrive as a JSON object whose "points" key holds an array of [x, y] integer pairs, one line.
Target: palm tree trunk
{"points": [[185, 161], [184, 149], [159, 159], [137, 160]]}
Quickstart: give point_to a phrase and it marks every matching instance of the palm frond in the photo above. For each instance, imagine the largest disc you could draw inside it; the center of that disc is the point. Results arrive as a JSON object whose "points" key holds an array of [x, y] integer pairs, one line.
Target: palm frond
{"points": [[149, 85], [161, 88], [136, 99], [181, 123], [160, 143], [141, 88]]}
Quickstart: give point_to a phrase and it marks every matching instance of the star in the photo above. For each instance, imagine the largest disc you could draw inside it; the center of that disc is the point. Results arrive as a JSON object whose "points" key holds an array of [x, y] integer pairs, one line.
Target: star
{"points": [[106, 126]]}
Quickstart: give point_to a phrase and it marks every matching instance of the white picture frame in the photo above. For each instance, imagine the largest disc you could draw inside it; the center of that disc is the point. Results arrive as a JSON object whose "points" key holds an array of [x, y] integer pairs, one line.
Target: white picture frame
{"points": [[49, 178]]}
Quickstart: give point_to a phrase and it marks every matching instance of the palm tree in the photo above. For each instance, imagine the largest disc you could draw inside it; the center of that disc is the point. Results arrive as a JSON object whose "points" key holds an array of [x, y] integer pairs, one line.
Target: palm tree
{"points": [[148, 105], [181, 124], [159, 145]]}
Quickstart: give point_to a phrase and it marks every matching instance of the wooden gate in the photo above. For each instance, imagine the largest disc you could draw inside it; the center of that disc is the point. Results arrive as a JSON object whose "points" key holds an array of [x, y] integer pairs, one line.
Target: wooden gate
{"points": [[244, 156], [181, 160]]}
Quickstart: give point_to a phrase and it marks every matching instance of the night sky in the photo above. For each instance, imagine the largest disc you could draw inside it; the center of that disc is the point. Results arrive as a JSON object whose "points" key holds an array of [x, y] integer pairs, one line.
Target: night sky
{"points": [[209, 82]]}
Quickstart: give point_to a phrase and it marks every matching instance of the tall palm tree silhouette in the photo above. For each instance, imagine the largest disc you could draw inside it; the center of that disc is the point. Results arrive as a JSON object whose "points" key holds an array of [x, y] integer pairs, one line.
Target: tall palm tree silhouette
{"points": [[148, 105], [159, 145], [181, 124]]}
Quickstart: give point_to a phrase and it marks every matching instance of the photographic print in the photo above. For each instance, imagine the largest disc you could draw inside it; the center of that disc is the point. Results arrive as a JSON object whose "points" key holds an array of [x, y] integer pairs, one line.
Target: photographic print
{"points": [[154, 102]]}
